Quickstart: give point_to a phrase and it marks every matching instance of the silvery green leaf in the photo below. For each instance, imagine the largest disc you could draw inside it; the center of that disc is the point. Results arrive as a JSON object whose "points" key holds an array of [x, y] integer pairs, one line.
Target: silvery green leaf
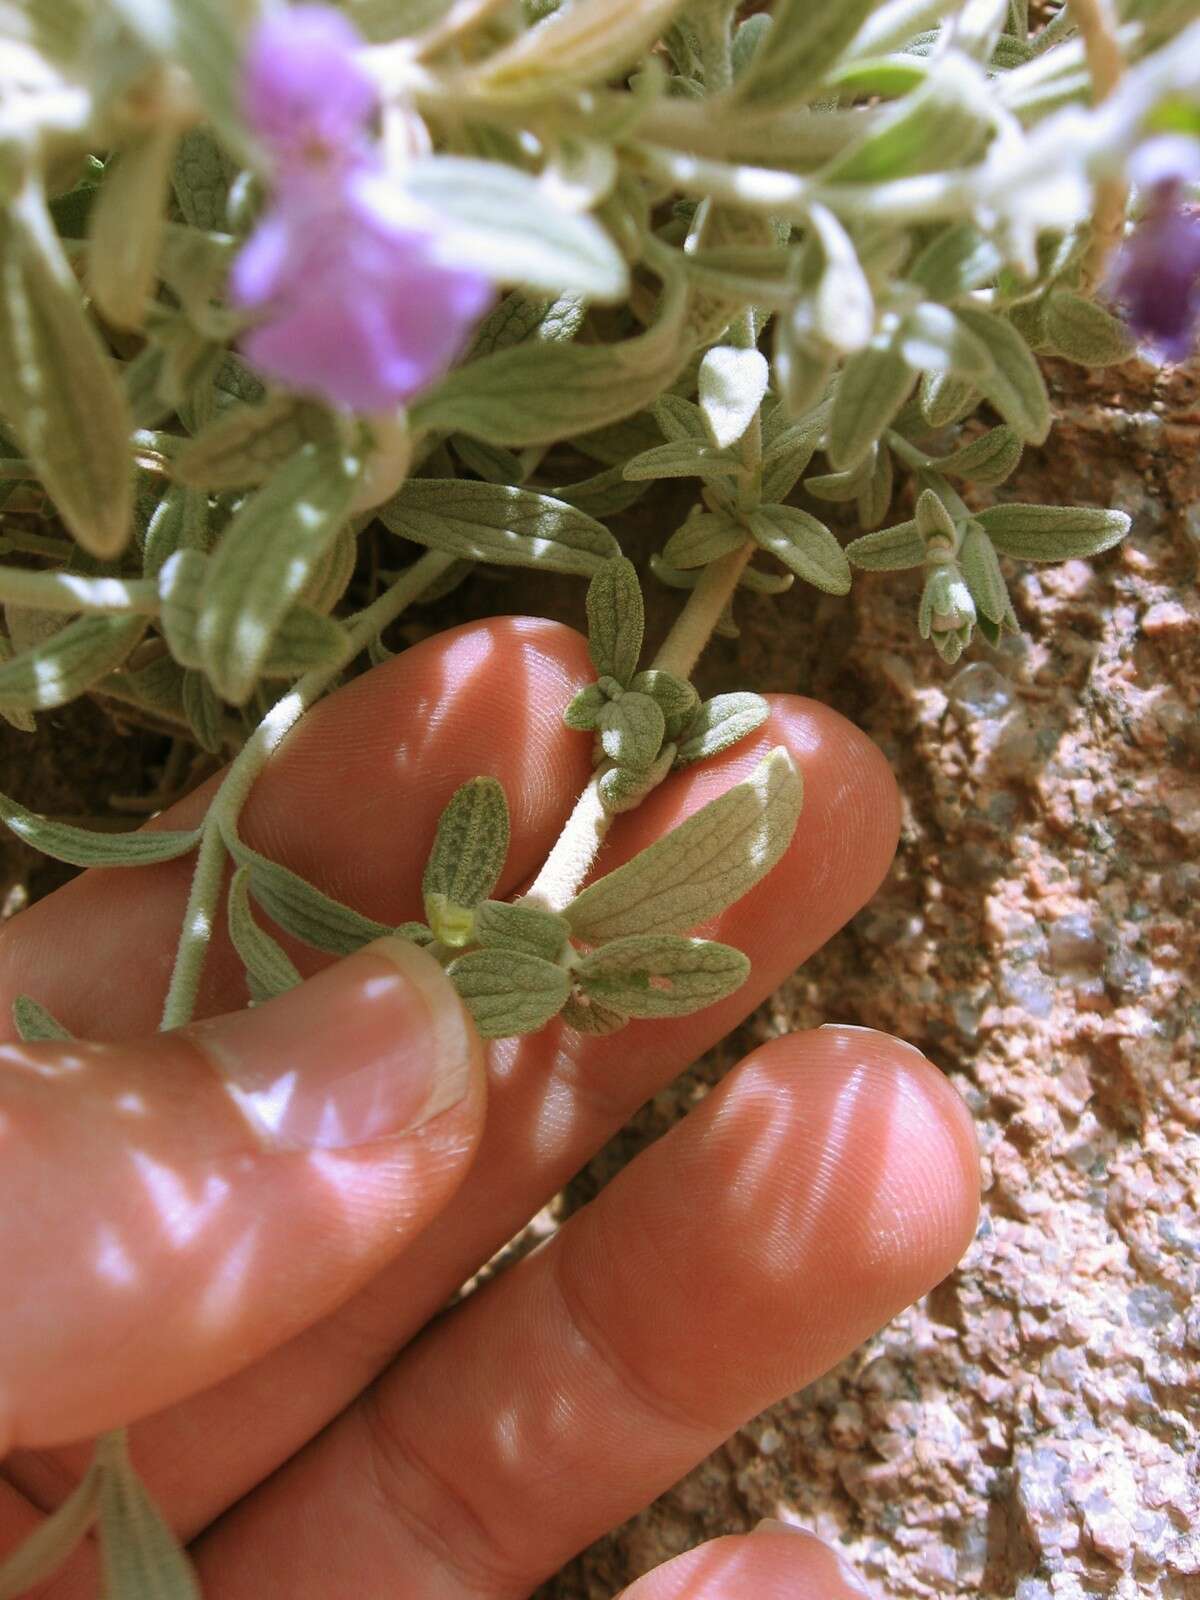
{"points": [[946, 398], [586, 40], [269, 968], [989, 459], [673, 577], [415, 933], [661, 974], [583, 711], [632, 731], [501, 215], [202, 35], [467, 857], [126, 226], [615, 620], [179, 521], [539, 392], [59, 391], [158, 685], [955, 261], [303, 910], [704, 537], [758, 582], [498, 523], [838, 488], [933, 520], [265, 558], [1028, 317], [202, 708], [23, 721], [732, 385], [34, 1025], [748, 37], [802, 366], [488, 461], [624, 788], [580, 173], [508, 992], [70, 662], [140, 1557], [805, 40], [603, 495], [201, 178], [1015, 385], [843, 307], [944, 123], [875, 496], [700, 867], [874, 384], [586, 1016], [500, 926], [83, 847], [890, 550], [181, 583], [681, 421], [676, 698], [804, 545], [518, 318], [687, 459], [1084, 332], [719, 723], [246, 444], [41, 1554], [305, 639], [981, 569], [1052, 533], [933, 339], [329, 579], [786, 456]]}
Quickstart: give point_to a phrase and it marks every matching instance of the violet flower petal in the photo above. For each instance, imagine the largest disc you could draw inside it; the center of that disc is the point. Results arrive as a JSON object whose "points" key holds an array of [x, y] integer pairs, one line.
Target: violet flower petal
{"points": [[305, 91]]}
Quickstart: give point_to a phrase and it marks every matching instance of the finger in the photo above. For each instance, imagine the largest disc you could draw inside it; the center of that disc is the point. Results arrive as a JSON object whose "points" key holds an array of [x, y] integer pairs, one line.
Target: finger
{"points": [[829, 1182], [350, 802], [775, 1562], [553, 1100], [171, 1209]]}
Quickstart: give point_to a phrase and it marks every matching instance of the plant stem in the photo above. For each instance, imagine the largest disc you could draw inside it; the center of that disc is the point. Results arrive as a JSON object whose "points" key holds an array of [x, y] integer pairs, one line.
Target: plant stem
{"points": [[575, 849], [220, 823], [1097, 27], [694, 625]]}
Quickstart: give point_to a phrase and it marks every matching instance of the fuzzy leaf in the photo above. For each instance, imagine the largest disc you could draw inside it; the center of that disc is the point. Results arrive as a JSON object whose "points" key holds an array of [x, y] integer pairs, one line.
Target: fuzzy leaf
{"points": [[83, 847], [586, 1016], [946, 398], [583, 710], [202, 707], [46, 1549], [306, 639], [180, 587], [624, 788], [301, 909], [35, 1025], [1015, 386], [806, 37], [700, 867], [1052, 533], [500, 926], [989, 459], [501, 215], [787, 455], [719, 723], [704, 537], [140, 1557], [981, 569], [873, 386], [59, 392], [1085, 333], [497, 523], [933, 339], [126, 225], [265, 558], [875, 496], [632, 731], [615, 620], [202, 36], [518, 318], [268, 967], [890, 550], [674, 696], [246, 444], [578, 43], [844, 307], [804, 545], [838, 488], [468, 855], [508, 992], [933, 520], [732, 385], [681, 420], [71, 661], [955, 261], [687, 459], [661, 975], [943, 123]]}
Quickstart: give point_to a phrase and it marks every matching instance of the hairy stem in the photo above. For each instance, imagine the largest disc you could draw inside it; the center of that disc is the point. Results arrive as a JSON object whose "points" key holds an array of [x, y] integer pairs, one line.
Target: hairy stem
{"points": [[220, 823], [1097, 26], [695, 623], [575, 849]]}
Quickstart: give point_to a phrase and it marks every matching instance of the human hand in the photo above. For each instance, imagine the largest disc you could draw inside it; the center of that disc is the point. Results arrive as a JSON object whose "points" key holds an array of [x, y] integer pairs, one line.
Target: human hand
{"points": [[266, 1315]]}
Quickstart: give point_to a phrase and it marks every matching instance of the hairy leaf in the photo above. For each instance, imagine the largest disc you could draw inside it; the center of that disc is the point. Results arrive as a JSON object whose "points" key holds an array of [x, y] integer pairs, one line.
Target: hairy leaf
{"points": [[1052, 533], [982, 572], [632, 731], [140, 1557], [704, 537], [35, 1025], [804, 545], [508, 992], [83, 847], [615, 620], [687, 459], [303, 910], [269, 968], [72, 660], [661, 974], [498, 523], [500, 926], [246, 444], [889, 550], [873, 386], [53, 1539], [1015, 385], [719, 723], [1085, 333], [805, 39], [467, 857], [732, 385]]}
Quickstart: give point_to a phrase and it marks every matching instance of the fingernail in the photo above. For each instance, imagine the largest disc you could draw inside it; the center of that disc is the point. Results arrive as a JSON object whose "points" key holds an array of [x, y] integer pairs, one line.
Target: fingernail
{"points": [[370, 1048]]}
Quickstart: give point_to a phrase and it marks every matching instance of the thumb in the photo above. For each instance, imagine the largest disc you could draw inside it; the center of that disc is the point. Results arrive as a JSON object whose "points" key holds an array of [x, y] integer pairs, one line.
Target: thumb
{"points": [[171, 1210]]}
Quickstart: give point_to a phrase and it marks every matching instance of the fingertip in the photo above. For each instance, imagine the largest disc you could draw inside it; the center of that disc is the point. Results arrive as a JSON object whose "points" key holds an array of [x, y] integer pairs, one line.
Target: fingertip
{"points": [[775, 1562]]}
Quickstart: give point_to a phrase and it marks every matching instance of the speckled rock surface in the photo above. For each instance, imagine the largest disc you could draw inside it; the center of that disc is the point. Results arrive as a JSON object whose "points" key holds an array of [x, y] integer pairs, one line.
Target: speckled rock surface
{"points": [[1031, 1429]]}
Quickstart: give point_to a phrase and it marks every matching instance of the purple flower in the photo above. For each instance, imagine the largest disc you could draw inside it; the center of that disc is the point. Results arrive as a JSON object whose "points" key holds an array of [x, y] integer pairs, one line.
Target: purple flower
{"points": [[1156, 274], [360, 302]]}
